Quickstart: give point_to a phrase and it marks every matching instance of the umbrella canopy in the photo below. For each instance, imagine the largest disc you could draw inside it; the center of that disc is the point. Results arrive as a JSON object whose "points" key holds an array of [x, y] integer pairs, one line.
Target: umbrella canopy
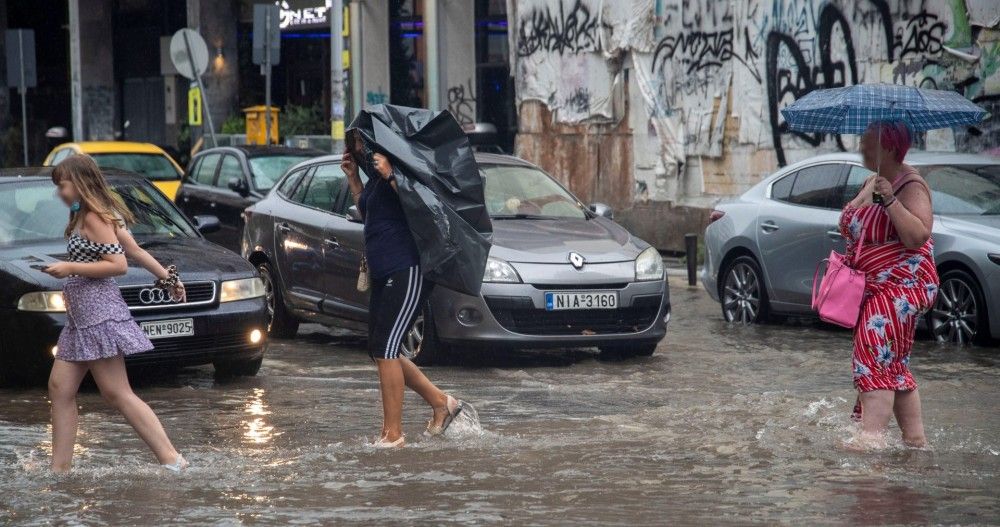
{"points": [[849, 110], [440, 188]]}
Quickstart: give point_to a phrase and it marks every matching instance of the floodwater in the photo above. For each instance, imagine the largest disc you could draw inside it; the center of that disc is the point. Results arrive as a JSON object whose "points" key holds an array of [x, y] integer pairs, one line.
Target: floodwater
{"points": [[724, 425]]}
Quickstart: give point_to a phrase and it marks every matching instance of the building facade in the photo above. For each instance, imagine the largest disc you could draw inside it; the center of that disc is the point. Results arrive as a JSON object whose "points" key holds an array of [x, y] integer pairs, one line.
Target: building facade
{"points": [[662, 107]]}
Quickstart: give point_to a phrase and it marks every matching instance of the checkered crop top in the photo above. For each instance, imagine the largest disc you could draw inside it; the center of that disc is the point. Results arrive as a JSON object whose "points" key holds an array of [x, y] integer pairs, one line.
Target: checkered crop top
{"points": [[83, 250]]}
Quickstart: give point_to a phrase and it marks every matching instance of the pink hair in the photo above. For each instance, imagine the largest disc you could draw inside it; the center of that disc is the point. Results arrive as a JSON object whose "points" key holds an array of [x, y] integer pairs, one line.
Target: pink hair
{"points": [[893, 136]]}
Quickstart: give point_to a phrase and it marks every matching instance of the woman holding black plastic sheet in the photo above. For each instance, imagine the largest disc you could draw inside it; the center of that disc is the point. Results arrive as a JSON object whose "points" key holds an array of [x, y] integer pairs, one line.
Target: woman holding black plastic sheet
{"points": [[398, 292]]}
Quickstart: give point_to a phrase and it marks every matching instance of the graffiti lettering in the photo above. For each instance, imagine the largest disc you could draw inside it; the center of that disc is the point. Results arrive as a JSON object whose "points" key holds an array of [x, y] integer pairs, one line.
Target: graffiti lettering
{"points": [[570, 30], [462, 103], [377, 97], [922, 35], [578, 101]]}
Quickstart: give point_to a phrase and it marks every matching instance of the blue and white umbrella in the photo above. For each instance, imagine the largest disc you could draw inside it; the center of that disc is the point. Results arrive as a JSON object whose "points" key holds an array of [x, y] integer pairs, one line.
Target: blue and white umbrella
{"points": [[849, 110]]}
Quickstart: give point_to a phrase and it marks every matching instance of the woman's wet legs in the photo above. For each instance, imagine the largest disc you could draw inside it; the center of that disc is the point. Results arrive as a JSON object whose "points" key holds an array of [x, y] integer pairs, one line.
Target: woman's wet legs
{"points": [[391, 383], [877, 410], [910, 418], [418, 382], [64, 382]]}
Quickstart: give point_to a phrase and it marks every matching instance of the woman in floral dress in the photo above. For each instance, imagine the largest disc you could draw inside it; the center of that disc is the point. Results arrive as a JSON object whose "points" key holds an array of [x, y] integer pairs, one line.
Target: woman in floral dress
{"points": [[890, 242]]}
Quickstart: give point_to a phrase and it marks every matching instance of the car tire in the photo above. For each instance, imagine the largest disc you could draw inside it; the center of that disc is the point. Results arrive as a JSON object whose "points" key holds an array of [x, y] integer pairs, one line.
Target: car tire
{"points": [[627, 351], [742, 293], [280, 324], [959, 312], [424, 334], [237, 368]]}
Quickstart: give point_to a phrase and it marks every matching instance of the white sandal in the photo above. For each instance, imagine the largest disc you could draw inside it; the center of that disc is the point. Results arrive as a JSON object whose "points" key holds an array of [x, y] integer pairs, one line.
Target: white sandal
{"points": [[383, 443], [454, 407], [177, 466]]}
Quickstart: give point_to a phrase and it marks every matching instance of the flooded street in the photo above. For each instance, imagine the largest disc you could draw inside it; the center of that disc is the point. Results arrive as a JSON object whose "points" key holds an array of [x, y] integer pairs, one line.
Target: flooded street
{"points": [[724, 425]]}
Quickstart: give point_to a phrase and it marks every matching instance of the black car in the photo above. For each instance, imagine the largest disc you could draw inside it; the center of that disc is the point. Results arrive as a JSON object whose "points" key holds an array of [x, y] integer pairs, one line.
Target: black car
{"points": [[222, 323], [223, 181]]}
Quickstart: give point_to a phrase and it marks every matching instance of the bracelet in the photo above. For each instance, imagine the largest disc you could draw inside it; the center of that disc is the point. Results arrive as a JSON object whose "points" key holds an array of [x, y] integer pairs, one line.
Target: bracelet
{"points": [[890, 202], [173, 277]]}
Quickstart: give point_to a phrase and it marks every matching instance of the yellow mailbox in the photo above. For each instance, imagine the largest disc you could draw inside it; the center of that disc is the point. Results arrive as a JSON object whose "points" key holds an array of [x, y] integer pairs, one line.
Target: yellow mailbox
{"points": [[257, 127]]}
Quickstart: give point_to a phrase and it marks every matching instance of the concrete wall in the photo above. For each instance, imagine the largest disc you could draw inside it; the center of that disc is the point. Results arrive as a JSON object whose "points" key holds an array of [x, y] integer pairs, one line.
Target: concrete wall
{"points": [[374, 52], [457, 43], [216, 21], [92, 71], [705, 81]]}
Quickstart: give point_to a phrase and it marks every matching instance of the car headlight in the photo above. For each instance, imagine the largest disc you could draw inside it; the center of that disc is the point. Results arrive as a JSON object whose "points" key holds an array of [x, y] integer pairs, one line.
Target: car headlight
{"points": [[42, 301], [500, 271], [242, 289], [649, 265]]}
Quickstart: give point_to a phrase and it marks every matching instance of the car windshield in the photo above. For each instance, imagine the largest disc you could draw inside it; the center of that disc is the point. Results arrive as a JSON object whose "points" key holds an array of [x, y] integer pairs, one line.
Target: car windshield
{"points": [[154, 167], [528, 193], [267, 170], [30, 211], [964, 189]]}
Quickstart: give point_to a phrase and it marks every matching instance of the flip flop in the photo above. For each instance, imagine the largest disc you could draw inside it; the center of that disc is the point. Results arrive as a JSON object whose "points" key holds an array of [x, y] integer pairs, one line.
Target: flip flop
{"points": [[452, 414], [177, 466], [382, 443]]}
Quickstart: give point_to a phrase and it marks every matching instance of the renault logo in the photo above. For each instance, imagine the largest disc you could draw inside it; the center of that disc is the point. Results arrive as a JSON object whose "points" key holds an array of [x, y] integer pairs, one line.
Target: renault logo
{"points": [[152, 296], [577, 260]]}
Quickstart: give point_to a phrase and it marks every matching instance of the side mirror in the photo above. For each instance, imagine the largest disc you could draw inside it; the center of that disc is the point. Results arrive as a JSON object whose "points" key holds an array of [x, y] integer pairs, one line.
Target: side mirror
{"points": [[207, 224], [354, 215], [602, 209], [238, 185]]}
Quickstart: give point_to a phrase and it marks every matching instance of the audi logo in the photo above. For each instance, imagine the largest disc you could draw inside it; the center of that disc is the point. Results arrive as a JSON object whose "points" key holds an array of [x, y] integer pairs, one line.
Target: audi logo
{"points": [[152, 296]]}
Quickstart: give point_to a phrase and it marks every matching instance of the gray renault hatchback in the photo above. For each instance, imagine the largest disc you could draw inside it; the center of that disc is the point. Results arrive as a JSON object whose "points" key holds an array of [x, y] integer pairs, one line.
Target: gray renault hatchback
{"points": [[762, 248], [559, 273]]}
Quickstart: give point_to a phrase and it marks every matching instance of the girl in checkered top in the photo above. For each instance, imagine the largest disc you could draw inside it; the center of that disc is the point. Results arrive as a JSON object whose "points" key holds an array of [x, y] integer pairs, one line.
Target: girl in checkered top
{"points": [[99, 329]]}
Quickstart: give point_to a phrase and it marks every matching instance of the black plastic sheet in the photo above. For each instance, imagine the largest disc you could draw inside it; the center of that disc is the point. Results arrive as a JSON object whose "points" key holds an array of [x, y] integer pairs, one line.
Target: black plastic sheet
{"points": [[440, 187]]}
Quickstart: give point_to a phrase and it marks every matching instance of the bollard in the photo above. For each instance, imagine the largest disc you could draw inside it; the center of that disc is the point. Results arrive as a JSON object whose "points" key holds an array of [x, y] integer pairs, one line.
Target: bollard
{"points": [[691, 248]]}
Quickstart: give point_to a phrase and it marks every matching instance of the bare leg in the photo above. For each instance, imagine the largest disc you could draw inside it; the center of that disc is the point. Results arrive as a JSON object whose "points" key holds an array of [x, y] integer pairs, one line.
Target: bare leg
{"points": [[391, 382], [64, 382], [910, 418], [112, 380], [418, 382], [875, 417]]}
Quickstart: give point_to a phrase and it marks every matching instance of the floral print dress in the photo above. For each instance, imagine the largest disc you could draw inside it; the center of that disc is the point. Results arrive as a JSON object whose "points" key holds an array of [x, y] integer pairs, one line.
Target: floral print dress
{"points": [[901, 284]]}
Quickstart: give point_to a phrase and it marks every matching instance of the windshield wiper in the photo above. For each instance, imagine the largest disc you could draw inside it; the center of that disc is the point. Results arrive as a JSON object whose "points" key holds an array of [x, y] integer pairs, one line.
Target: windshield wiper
{"points": [[152, 210], [520, 217]]}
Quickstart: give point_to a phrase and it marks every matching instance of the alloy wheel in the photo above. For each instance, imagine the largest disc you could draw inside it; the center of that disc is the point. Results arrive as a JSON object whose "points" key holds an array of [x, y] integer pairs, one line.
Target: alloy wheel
{"points": [[955, 315], [265, 277], [414, 338], [741, 297]]}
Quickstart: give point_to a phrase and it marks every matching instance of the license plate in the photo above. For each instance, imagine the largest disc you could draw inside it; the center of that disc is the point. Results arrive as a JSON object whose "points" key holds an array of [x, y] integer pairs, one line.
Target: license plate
{"points": [[160, 329], [581, 300]]}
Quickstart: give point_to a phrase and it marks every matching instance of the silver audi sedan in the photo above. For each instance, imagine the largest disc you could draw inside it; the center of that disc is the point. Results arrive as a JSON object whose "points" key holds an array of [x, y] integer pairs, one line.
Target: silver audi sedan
{"points": [[763, 247], [560, 274]]}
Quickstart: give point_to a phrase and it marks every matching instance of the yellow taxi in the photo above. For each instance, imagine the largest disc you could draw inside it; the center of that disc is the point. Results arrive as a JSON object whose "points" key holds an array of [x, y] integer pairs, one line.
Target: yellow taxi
{"points": [[142, 158]]}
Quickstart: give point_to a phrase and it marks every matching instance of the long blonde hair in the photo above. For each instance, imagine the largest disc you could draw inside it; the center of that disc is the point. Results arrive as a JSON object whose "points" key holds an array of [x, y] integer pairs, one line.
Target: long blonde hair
{"points": [[95, 193]]}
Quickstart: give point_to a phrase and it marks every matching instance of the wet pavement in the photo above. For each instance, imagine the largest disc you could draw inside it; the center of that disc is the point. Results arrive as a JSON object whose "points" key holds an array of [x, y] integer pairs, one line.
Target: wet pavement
{"points": [[724, 425]]}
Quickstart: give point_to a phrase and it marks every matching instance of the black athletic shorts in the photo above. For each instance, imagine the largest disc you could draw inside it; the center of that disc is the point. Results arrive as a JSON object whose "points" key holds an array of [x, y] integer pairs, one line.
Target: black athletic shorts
{"points": [[395, 302]]}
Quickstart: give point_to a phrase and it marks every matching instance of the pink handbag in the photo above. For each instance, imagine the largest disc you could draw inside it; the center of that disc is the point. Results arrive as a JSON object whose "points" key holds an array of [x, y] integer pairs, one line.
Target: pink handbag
{"points": [[838, 300]]}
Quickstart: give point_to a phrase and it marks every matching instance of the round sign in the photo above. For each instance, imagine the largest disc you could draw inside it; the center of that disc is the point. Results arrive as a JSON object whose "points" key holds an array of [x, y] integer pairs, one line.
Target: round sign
{"points": [[193, 64]]}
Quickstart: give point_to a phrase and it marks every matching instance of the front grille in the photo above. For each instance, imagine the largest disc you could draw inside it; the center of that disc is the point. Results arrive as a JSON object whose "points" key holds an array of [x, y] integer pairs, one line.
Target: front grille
{"points": [[141, 297], [519, 315]]}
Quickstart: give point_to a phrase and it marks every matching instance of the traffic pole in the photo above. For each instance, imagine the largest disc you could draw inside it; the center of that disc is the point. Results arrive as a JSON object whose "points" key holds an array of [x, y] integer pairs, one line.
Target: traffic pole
{"points": [[267, 77], [201, 89], [337, 72], [23, 88]]}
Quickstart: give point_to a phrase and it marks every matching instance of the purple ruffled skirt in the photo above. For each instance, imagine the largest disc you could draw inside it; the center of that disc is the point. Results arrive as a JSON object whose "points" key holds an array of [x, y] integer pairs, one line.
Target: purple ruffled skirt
{"points": [[98, 322]]}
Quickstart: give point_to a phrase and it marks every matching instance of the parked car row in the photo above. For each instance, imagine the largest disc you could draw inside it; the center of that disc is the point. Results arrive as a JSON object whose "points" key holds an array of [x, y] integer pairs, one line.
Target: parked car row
{"points": [[762, 248], [560, 274]]}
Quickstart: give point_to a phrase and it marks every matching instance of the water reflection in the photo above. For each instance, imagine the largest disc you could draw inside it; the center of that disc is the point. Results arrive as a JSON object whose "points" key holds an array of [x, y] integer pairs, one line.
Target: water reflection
{"points": [[256, 429]]}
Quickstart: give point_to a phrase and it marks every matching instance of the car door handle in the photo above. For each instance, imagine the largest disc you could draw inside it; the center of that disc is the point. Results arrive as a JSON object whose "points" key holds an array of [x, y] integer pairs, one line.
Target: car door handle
{"points": [[769, 226], [331, 242], [211, 204], [835, 234], [284, 228]]}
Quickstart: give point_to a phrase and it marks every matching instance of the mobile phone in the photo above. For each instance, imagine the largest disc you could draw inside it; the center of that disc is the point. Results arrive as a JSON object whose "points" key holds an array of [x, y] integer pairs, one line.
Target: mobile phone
{"points": [[877, 198], [40, 267]]}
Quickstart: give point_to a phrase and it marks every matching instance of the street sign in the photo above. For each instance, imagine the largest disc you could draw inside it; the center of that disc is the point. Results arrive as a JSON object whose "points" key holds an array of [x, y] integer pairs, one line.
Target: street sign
{"points": [[20, 59], [189, 65], [266, 32], [194, 106]]}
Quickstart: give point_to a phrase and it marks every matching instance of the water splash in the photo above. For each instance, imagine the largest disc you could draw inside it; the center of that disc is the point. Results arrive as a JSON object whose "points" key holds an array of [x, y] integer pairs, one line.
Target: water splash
{"points": [[466, 424]]}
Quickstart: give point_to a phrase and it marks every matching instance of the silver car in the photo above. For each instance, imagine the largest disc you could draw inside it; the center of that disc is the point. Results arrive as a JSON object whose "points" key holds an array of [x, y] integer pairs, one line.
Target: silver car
{"points": [[762, 248], [560, 274]]}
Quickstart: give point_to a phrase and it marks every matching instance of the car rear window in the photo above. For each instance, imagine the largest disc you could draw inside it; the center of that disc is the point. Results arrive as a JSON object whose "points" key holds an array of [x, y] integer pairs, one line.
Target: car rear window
{"points": [[964, 189], [267, 170]]}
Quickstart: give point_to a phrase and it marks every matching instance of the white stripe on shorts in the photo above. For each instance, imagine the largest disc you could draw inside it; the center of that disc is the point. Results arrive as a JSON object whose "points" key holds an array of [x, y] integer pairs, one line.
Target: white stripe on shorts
{"points": [[410, 303]]}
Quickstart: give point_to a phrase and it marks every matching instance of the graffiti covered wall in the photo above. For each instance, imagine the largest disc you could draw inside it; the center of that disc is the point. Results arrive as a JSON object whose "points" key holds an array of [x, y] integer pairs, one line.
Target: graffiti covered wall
{"points": [[707, 79]]}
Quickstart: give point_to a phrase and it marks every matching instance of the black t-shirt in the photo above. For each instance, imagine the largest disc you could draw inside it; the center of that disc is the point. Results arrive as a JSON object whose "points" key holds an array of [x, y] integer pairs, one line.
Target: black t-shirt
{"points": [[389, 246]]}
